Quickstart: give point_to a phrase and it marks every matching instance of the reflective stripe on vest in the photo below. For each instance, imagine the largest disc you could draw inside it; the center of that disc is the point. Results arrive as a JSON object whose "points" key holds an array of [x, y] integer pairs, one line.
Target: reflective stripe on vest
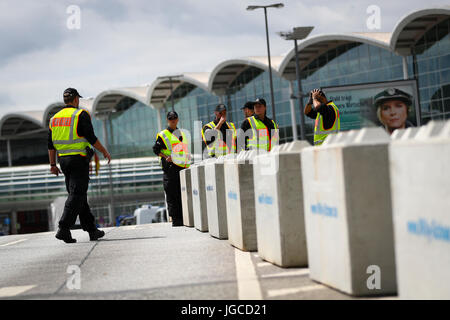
{"points": [[219, 146], [320, 133], [176, 149], [260, 136], [64, 133]]}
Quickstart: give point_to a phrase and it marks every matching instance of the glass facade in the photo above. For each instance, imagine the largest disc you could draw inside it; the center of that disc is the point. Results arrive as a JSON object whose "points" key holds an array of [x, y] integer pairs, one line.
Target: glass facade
{"points": [[25, 152], [432, 55], [352, 63], [131, 132]]}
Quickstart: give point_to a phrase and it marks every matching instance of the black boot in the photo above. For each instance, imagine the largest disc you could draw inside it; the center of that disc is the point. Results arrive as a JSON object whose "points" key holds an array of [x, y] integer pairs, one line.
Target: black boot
{"points": [[65, 235], [177, 222], [96, 234]]}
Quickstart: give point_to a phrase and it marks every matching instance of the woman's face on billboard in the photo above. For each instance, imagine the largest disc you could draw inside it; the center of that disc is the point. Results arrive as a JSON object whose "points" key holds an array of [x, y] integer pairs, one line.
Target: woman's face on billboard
{"points": [[394, 113]]}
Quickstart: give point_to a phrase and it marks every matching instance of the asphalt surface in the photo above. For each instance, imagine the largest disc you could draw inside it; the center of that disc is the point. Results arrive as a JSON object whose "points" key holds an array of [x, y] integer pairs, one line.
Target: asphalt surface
{"points": [[154, 261]]}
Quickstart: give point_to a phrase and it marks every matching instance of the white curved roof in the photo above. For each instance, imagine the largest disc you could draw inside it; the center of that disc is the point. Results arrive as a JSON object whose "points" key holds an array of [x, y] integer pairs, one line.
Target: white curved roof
{"points": [[413, 26], [227, 71], [108, 100], [160, 90], [313, 47], [50, 111], [14, 125]]}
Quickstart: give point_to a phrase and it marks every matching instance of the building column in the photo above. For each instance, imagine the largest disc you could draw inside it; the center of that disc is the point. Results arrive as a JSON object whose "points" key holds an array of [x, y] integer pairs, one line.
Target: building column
{"points": [[105, 133], [8, 148], [159, 120], [291, 103], [14, 222], [112, 219], [405, 68]]}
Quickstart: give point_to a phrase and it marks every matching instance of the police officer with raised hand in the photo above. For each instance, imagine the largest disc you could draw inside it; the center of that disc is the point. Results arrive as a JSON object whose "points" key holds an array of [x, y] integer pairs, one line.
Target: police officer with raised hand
{"points": [[326, 114], [172, 146], [71, 136], [260, 132], [224, 131]]}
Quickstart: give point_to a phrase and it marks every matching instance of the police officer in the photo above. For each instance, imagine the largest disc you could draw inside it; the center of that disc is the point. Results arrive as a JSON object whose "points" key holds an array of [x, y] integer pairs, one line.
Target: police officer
{"points": [[260, 132], [172, 146], [393, 107], [224, 131], [326, 114], [71, 136], [248, 109]]}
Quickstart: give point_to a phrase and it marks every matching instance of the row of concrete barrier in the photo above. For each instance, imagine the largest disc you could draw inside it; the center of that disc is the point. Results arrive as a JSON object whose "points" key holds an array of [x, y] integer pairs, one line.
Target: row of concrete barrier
{"points": [[368, 213]]}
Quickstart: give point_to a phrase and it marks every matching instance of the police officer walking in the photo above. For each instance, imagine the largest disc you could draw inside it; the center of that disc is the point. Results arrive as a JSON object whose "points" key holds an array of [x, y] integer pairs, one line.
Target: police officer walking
{"points": [[70, 136], [172, 146], [224, 131], [326, 114], [260, 132]]}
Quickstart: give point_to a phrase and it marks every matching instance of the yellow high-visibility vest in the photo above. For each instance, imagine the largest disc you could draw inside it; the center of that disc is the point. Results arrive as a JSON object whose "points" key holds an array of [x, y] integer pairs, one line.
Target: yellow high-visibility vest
{"points": [[65, 138], [320, 133], [219, 146], [260, 137], [176, 149]]}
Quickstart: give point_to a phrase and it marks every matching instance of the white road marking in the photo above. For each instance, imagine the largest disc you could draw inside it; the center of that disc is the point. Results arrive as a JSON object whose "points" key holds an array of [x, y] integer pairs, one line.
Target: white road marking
{"points": [[14, 291], [247, 280], [11, 243], [263, 264], [286, 291], [287, 274]]}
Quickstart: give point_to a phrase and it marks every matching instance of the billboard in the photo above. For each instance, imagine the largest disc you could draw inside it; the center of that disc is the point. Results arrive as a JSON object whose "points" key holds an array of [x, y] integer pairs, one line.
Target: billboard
{"points": [[357, 107]]}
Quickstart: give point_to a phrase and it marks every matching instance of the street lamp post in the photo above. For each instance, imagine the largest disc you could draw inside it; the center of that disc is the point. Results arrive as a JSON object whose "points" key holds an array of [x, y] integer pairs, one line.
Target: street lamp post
{"points": [[276, 5], [298, 33]]}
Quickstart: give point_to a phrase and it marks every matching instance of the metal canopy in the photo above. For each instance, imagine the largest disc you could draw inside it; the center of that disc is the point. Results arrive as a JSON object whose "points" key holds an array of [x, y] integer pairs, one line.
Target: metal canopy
{"points": [[312, 48], [161, 89], [226, 72], [412, 28], [113, 100], [18, 125]]}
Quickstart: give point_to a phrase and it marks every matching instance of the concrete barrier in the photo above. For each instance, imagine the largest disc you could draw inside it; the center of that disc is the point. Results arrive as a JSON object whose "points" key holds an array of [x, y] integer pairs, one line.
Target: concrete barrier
{"points": [[280, 221], [186, 197], [420, 183], [348, 213], [240, 201], [199, 196], [401, 134], [216, 198]]}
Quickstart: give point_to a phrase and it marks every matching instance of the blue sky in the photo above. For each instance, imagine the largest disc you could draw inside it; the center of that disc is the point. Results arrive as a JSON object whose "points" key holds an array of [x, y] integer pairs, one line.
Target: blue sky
{"points": [[131, 42]]}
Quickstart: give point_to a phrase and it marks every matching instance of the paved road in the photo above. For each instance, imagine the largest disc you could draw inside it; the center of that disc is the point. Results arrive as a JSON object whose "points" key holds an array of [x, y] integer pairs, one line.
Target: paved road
{"points": [[154, 261]]}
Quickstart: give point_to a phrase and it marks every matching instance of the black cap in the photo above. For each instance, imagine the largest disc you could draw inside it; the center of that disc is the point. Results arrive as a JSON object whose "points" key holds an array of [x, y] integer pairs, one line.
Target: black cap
{"points": [[172, 115], [392, 94], [260, 101], [220, 107], [249, 105], [71, 93]]}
